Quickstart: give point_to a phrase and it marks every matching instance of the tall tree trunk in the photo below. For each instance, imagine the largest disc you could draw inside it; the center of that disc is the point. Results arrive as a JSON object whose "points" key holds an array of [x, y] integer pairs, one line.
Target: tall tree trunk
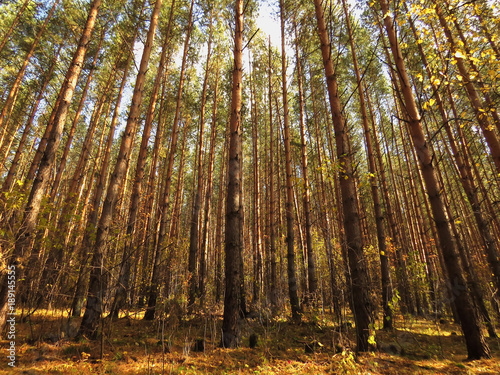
{"points": [[28, 225], [379, 216], [124, 276], [71, 133], [7, 184], [195, 214], [291, 268], [97, 287], [273, 286], [360, 300], [234, 204], [208, 192], [256, 200], [480, 109], [163, 208], [476, 345], [466, 179], [306, 195], [93, 218]]}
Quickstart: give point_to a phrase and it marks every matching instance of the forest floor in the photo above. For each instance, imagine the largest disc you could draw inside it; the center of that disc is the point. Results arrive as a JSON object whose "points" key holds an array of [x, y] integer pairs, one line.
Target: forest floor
{"points": [[191, 346]]}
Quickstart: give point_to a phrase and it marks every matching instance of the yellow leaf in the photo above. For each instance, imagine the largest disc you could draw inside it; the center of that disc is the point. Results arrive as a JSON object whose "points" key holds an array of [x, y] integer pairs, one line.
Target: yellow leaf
{"points": [[459, 55]]}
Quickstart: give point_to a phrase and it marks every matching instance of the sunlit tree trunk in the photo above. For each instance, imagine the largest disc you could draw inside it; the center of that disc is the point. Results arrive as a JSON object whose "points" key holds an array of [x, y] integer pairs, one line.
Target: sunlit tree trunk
{"points": [[93, 311], [256, 199], [9, 102], [379, 216], [208, 192], [306, 196], [14, 24], [476, 345], [9, 179], [124, 276], [360, 300], [480, 109], [28, 224], [163, 210]]}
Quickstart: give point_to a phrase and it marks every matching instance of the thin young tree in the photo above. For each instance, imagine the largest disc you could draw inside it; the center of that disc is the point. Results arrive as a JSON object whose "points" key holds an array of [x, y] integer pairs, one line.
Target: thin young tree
{"points": [[306, 194], [195, 215], [291, 267]]}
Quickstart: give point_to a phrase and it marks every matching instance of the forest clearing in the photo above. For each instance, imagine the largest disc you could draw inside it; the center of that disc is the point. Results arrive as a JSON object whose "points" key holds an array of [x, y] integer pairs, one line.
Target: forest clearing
{"points": [[250, 186]]}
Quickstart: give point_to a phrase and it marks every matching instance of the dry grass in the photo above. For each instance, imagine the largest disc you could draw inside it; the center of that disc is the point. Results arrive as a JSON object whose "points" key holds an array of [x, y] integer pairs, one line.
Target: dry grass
{"points": [[132, 346]]}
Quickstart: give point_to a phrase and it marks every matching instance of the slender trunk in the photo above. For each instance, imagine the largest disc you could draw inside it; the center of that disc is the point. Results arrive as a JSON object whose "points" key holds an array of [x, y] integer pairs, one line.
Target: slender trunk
{"points": [[9, 102], [223, 175], [273, 286], [14, 24], [467, 181], [195, 214], [97, 287], [256, 205], [306, 197], [476, 345], [7, 184], [208, 192], [28, 225], [360, 300], [234, 204], [291, 269], [379, 216], [71, 133], [124, 277], [478, 107], [164, 205]]}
